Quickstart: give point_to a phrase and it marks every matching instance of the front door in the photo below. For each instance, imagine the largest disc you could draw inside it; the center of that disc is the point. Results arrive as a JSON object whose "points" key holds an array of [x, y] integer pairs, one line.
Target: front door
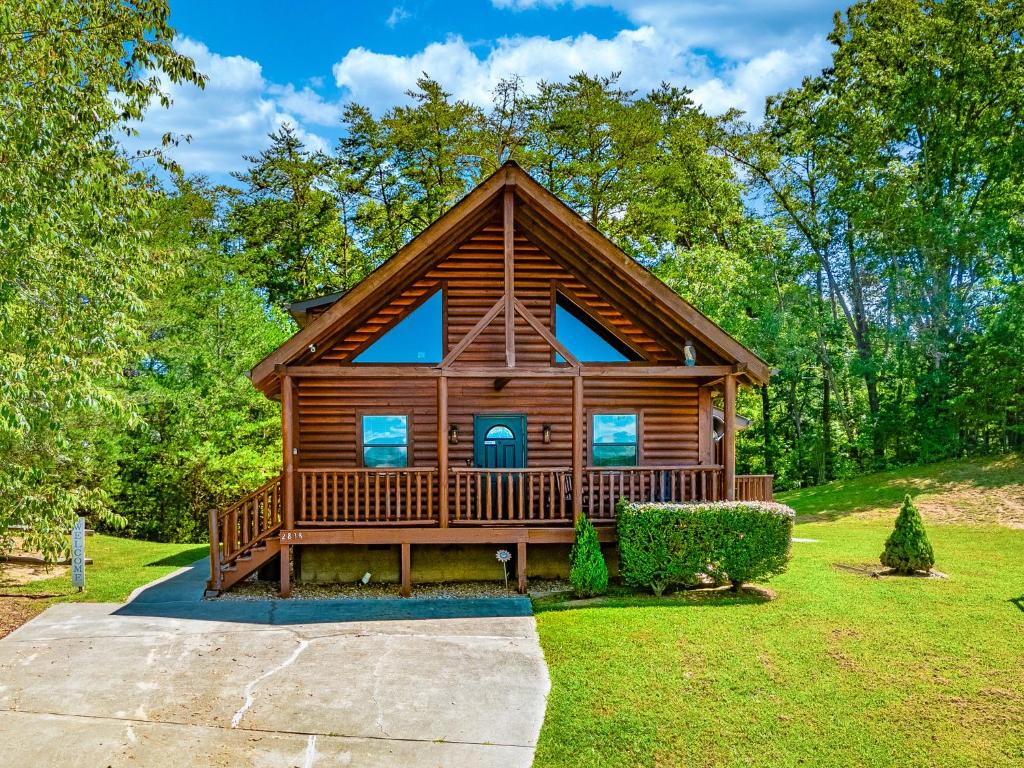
{"points": [[499, 442]]}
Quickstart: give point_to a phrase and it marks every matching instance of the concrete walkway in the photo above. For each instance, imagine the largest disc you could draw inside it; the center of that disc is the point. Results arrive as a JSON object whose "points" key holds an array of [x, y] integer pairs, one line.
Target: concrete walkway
{"points": [[171, 680]]}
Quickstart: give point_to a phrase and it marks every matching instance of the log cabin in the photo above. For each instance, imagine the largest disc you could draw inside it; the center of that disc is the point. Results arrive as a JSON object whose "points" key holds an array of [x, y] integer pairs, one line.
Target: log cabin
{"points": [[507, 371]]}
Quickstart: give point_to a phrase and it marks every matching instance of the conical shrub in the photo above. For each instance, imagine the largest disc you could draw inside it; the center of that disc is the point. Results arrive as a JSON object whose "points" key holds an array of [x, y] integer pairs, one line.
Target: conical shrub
{"points": [[907, 549], [588, 572]]}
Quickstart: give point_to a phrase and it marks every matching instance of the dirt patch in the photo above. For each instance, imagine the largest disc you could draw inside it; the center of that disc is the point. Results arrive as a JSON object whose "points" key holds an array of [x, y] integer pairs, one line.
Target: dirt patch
{"points": [[876, 571], [16, 574], [15, 611]]}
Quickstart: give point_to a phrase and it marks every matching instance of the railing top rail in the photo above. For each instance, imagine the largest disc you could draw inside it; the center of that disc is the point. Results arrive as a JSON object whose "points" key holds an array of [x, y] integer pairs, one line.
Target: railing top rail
{"points": [[506, 470], [262, 489], [363, 470], [655, 467]]}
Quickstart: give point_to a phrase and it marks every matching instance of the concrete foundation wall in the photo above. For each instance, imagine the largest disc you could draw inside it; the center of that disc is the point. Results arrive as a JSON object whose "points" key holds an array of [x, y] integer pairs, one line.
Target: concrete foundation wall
{"points": [[432, 562]]}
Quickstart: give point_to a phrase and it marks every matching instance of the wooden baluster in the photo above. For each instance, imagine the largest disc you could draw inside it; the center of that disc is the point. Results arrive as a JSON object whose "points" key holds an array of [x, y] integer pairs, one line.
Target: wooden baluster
{"points": [[531, 507], [519, 494], [479, 496], [302, 505], [408, 496], [387, 495], [499, 512], [376, 495], [552, 495], [489, 483]]}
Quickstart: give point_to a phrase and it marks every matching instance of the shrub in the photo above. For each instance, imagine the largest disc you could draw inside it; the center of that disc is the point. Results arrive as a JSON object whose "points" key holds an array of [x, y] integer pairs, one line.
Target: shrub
{"points": [[662, 544], [907, 549], [588, 572]]}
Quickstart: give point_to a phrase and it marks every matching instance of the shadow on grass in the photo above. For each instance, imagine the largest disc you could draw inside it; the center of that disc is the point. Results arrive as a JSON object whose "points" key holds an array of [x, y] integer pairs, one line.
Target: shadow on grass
{"points": [[1019, 602], [623, 597], [181, 559]]}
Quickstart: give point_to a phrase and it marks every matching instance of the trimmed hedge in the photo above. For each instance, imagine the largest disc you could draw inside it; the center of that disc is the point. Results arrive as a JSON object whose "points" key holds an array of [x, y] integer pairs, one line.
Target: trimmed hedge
{"points": [[672, 544]]}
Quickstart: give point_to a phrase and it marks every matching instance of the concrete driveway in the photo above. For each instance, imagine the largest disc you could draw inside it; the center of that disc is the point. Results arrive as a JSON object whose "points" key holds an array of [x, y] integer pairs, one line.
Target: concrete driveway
{"points": [[170, 680]]}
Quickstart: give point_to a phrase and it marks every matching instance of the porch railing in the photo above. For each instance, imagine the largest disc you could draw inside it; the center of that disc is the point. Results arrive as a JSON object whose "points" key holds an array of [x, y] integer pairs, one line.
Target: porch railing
{"points": [[604, 486], [755, 487], [359, 496], [478, 496], [528, 495], [239, 527]]}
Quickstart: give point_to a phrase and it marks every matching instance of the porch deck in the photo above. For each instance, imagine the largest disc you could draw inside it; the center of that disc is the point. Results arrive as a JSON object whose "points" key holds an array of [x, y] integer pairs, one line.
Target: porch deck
{"points": [[403, 506]]}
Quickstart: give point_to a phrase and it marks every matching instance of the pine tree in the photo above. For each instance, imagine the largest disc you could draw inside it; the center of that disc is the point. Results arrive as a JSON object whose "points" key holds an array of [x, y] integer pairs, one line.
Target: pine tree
{"points": [[587, 570], [907, 549]]}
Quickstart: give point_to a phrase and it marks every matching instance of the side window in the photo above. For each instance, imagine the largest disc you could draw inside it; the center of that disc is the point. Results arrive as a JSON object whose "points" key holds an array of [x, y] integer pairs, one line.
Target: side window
{"points": [[614, 439], [385, 441]]}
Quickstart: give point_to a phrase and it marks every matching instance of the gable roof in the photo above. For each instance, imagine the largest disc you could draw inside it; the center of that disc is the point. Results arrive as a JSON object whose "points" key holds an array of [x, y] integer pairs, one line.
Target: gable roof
{"points": [[554, 226]]}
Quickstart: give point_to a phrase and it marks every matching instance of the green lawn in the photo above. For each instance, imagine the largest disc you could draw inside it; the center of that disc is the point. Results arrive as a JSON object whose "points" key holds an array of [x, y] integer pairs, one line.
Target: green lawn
{"points": [[839, 670], [119, 566]]}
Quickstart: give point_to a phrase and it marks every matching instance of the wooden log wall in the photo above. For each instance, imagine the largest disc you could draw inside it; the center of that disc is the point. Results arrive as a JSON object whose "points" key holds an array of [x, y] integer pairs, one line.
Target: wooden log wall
{"points": [[473, 276]]}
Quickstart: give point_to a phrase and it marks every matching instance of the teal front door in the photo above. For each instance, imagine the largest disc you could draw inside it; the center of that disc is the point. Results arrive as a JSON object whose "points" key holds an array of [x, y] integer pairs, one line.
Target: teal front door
{"points": [[499, 442]]}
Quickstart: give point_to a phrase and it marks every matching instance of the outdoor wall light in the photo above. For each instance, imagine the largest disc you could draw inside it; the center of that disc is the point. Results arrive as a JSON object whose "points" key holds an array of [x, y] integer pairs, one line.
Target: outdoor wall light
{"points": [[453, 434], [312, 348], [690, 353], [545, 433]]}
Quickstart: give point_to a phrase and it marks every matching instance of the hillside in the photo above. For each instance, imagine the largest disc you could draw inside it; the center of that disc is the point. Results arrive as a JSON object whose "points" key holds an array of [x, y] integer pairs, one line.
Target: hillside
{"points": [[975, 491]]}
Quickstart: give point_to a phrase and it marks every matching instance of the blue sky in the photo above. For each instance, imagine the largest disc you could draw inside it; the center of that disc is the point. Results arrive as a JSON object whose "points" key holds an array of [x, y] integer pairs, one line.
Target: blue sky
{"points": [[300, 61]]}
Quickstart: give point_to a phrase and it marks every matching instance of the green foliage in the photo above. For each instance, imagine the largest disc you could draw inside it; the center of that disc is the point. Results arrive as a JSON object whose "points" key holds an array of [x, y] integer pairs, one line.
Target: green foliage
{"points": [[75, 266], [907, 549], [588, 571], [205, 434], [663, 545]]}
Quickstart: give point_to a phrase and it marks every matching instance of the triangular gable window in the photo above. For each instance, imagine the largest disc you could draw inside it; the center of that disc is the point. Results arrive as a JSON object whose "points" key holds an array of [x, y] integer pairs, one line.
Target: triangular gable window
{"points": [[585, 337], [415, 339]]}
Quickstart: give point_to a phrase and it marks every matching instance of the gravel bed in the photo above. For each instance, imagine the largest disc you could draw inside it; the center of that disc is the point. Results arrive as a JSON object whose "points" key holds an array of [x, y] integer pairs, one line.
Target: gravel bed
{"points": [[267, 590]]}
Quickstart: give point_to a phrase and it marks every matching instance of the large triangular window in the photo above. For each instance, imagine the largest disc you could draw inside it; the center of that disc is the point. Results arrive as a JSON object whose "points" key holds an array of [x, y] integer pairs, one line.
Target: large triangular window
{"points": [[585, 337], [415, 339]]}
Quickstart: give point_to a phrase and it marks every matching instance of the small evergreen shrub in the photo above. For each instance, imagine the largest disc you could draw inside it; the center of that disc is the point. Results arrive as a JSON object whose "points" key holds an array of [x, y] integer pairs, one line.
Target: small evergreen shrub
{"points": [[907, 549], [673, 544], [588, 572]]}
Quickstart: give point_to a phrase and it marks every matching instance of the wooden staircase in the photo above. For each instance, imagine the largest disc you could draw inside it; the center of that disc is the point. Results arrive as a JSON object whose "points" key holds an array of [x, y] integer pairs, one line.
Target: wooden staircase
{"points": [[243, 536]]}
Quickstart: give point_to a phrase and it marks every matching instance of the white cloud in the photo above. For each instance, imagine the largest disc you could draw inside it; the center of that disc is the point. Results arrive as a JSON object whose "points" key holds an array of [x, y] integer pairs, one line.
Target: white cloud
{"points": [[646, 56], [398, 14], [737, 29], [232, 115]]}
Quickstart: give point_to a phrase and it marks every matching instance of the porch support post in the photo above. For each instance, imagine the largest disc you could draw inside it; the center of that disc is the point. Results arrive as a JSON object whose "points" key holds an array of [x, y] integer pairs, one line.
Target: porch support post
{"points": [[286, 570], [288, 448], [510, 318], [215, 573], [442, 450], [729, 439], [577, 447], [705, 427], [521, 567], [406, 569]]}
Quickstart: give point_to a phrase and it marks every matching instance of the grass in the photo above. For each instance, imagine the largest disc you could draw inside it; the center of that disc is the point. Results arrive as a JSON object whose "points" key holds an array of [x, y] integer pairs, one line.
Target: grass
{"points": [[838, 670], [119, 566]]}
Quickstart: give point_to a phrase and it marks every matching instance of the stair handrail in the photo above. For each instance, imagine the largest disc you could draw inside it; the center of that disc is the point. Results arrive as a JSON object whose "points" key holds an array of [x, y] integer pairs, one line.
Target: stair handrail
{"points": [[261, 511]]}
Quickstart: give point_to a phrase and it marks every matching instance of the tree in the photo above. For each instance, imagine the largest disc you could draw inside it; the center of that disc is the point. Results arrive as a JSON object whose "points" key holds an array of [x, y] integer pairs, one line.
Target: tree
{"points": [[588, 572], [75, 266], [907, 549], [287, 230], [204, 435]]}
